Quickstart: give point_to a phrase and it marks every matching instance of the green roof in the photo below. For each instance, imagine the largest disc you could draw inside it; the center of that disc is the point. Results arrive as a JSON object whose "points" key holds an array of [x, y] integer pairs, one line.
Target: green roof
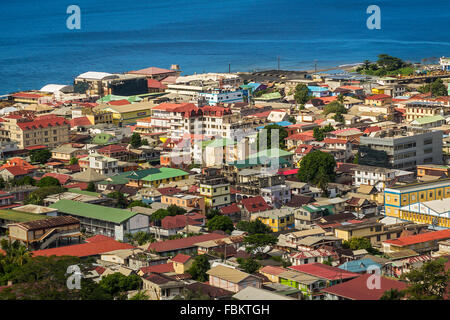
{"points": [[92, 211], [270, 96], [19, 216], [430, 119], [241, 164], [140, 174], [165, 173], [120, 178], [102, 138], [221, 143], [270, 153], [112, 97], [86, 193]]}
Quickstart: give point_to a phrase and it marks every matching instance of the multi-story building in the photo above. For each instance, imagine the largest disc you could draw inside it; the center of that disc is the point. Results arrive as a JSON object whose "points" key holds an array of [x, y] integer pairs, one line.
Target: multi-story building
{"points": [[65, 152], [277, 219], [48, 130], [404, 149], [398, 197], [95, 116], [102, 84], [215, 188], [378, 177], [101, 164], [434, 212], [375, 231], [129, 113], [176, 119], [433, 170], [223, 96], [420, 109]]}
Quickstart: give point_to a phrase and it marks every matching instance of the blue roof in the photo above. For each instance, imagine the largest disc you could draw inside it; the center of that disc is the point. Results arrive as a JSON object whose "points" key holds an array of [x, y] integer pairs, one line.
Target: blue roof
{"points": [[359, 265], [317, 88], [281, 124]]}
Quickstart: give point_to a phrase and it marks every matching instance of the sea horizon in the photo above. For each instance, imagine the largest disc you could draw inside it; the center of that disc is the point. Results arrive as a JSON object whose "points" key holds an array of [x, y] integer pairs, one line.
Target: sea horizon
{"points": [[208, 36]]}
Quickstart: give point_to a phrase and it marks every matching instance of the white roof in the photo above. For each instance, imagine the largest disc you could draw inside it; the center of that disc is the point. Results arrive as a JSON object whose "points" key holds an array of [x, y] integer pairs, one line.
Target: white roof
{"points": [[252, 293], [97, 75], [56, 87]]}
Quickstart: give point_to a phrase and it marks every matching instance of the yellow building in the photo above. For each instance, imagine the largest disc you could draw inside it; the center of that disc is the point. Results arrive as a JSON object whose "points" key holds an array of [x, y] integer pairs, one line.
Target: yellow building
{"points": [[397, 197], [277, 219], [130, 113], [181, 263], [214, 188], [98, 116]]}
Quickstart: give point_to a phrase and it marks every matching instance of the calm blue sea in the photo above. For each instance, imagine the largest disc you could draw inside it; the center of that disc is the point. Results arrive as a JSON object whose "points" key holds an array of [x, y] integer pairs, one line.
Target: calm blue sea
{"points": [[36, 48]]}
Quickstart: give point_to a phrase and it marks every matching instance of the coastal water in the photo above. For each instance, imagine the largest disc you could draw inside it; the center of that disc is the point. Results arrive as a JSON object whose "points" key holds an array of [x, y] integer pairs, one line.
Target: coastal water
{"points": [[36, 48]]}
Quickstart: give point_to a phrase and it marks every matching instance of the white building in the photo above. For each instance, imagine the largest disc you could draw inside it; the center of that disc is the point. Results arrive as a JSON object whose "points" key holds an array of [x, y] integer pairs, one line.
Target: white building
{"points": [[377, 176], [223, 96], [101, 164]]}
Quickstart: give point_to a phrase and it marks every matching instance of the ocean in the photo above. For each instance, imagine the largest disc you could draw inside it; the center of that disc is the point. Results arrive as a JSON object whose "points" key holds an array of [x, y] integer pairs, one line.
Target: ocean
{"points": [[36, 47]]}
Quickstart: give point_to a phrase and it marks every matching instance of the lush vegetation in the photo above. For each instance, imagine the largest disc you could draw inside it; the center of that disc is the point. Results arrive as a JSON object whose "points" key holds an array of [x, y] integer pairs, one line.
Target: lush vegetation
{"points": [[220, 222], [40, 156], [429, 282], [319, 133], [301, 94], [91, 187], [282, 134], [48, 182], [119, 199], [360, 243], [140, 237], [253, 227], [386, 66], [249, 265], [199, 267], [437, 88], [317, 167], [256, 243], [117, 284], [171, 210], [38, 196]]}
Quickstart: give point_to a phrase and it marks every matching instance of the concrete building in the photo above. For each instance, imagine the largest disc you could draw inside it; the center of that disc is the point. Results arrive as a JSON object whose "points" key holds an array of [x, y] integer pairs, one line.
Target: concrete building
{"points": [[420, 109], [48, 130], [101, 164], [405, 149]]}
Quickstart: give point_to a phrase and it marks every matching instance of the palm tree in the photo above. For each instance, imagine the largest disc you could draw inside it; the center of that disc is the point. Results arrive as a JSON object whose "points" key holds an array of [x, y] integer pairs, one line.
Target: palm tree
{"points": [[341, 98], [366, 64], [392, 294]]}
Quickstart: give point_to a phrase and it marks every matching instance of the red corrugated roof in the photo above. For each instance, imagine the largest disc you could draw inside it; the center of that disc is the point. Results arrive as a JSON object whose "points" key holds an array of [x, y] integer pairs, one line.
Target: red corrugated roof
{"points": [[324, 271], [357, 289], [419, 238], [85, 249], [181, 258], [255, 204], [378, 97], [43, 121], [231, 209], [62, 178], [155, 84], [178, 244], [159, 268], [17, 171], [272, 270], [122, 102], [80, 121]]}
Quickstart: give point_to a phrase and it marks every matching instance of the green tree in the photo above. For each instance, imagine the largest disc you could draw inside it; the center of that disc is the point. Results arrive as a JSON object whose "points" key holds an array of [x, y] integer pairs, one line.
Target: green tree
{"points": [[360, 243], [199, 268], [437, 88], [429, 282], [282, 135], [48, 182], [292, 119], [137, 203], [73, 161], [211, 213], [187, 294], [37, 197], [256, 243], [301, 94], [357, 157], [223, 223], [40, 156], [392, 294], [119, 198], [317, 166], [140, 295], [320, 133], [253, 227], [334, 107], [338, 117], [91, 187], [140, 237], [136, 140], [340, 99], [175, 210], [249, 265], [172, 210], [24, 181], [117, 284]]}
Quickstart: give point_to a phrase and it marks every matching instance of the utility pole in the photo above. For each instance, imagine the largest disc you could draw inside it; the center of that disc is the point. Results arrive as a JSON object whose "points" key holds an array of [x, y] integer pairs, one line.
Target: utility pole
{"points": [[278, 59], [229, 68], [315, 66]]}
